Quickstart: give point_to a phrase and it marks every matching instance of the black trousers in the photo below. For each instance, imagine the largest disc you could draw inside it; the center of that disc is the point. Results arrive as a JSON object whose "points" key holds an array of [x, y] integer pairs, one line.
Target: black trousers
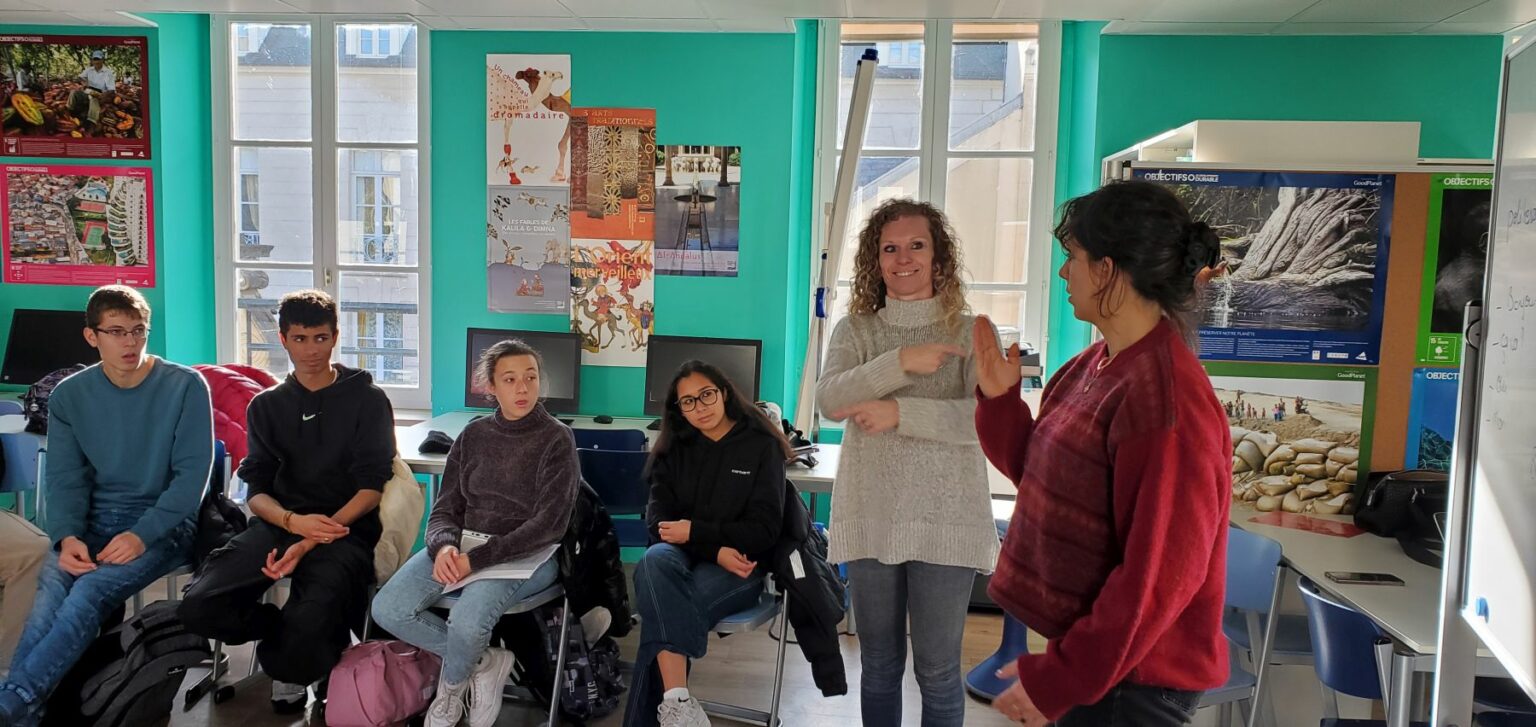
{"points": [[1136, 705], [300, 642]]}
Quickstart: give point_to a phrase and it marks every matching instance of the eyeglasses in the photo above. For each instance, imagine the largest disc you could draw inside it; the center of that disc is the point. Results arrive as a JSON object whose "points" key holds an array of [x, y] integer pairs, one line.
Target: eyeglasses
{"points": [[706, 397], [137, 332]]}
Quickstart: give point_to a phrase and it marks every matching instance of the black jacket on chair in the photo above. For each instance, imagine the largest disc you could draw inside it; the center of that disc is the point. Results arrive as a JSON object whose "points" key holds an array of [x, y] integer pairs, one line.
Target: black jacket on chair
{"points": [[816, 595], [590, 567]]}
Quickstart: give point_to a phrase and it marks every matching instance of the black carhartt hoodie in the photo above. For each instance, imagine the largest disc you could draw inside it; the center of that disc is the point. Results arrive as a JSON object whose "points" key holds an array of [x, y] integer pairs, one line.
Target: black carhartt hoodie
{"points": [[313, 451]]}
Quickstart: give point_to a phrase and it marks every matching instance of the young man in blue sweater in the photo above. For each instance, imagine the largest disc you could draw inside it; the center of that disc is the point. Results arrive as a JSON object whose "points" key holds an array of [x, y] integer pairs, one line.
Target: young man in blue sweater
{"points": [[130, 447]]}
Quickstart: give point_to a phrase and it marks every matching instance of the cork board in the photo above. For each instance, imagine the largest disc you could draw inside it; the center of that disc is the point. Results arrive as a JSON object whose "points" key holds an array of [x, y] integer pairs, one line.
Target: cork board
{"points": [[1400, 321]]}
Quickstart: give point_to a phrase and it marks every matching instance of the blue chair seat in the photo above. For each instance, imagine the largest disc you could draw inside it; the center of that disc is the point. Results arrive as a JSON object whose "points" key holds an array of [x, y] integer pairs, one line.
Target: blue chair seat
{"points": [[1291, 638], [1239, 687], [752, 618]]}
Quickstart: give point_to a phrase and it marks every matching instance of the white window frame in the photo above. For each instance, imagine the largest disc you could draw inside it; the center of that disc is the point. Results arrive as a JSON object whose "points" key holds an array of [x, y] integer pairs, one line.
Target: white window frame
{"points": [[323, 145], [244, 170], [377, 208], [933, 153]]}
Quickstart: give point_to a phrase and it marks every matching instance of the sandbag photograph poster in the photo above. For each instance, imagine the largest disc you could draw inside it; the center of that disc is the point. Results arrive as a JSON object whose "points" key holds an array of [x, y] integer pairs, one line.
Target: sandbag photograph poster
{"points": [[1455, 256], [1432, 419], [1300, 435], [527, 129], [1307, 263], [528, 249], [613, 178], [67, 225], [613, 300], [698, 210], [75, 96]]}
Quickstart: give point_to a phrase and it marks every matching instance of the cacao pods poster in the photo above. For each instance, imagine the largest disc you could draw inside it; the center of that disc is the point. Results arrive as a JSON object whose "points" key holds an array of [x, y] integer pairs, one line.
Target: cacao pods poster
{"points": [[78, 225], [613, 300], [1455, 258], [75, 96], [528, 249], [1307, 262], [1300, 435], [527, 130], [698, 210]]}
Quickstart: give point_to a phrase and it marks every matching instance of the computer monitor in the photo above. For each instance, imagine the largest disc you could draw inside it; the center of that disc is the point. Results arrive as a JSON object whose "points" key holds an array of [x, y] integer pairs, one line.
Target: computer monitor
{"points": [[741, 359], [42, 342], [560, 381]]}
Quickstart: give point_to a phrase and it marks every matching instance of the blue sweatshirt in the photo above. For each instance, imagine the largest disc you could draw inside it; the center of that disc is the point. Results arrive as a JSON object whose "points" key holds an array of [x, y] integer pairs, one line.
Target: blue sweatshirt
{"points": [[147, 450]]}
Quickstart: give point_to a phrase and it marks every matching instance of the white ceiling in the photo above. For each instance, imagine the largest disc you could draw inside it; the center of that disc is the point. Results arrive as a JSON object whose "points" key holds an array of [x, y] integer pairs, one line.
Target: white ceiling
{"points": [[1224, 17]]}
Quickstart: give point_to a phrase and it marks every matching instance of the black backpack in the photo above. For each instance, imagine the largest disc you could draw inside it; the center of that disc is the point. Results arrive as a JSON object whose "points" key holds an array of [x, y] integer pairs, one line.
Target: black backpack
{"points": [[592, 687], [130, 675], [35, 401]]}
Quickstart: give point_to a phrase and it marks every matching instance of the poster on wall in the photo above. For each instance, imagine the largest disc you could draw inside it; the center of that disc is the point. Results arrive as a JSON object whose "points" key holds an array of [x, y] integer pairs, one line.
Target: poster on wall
{"points": [[77, 96], [1455, 256], [1307, 260], [1432, 419], [613, 173], [528, 249], [613, 300], [698, 210], [67, 225], [527, 130], [1299, 435]]}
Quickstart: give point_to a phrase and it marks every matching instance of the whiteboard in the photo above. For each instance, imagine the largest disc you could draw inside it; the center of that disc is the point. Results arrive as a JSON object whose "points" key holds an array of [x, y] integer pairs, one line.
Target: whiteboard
{"points": [[1500, 591]]}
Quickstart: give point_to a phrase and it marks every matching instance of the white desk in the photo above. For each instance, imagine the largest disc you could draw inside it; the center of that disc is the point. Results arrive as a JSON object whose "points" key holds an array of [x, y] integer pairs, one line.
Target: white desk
{"points": [[1410, 614]]}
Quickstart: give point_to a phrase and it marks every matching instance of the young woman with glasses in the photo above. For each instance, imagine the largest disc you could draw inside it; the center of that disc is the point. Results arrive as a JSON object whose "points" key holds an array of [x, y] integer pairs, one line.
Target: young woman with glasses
{"points": [[717, 501]]}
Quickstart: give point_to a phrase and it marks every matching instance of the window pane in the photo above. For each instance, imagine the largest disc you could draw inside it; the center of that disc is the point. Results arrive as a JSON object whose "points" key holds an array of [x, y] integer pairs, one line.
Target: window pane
{"points": [[257, 292], [879, 179], [377, 201], [380, 326], [987, 202], [992, 94], [1005, 308], [271, 81], [376, 96], [896, 103], [275, 212]]}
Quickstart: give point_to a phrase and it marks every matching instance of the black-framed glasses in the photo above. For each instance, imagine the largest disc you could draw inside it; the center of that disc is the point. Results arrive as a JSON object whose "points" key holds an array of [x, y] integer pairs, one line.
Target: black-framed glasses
{"points": [[137, 332], [706, 397]]}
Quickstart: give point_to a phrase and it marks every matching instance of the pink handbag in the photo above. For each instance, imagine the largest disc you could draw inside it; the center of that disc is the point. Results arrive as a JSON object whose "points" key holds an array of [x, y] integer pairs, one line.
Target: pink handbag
{"points": [[380, 684]]}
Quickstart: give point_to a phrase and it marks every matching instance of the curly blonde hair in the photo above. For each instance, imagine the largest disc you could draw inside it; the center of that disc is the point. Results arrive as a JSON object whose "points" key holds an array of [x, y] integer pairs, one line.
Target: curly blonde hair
{"points": [[869, 284]]}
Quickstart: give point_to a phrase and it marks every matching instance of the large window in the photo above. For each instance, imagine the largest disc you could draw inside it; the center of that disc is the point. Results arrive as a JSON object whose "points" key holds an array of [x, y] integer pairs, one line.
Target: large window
{"points": [[321, 181], [962, 115]]}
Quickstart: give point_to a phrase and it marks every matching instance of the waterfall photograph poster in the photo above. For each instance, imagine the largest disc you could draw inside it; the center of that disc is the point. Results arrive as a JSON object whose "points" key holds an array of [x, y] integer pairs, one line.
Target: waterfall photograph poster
{"points": [[1455, 257], [1306, 259]]}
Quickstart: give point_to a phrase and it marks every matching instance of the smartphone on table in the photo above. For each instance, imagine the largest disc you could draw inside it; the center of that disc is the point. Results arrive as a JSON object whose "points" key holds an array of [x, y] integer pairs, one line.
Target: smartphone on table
{"points": [[1352, 578]]}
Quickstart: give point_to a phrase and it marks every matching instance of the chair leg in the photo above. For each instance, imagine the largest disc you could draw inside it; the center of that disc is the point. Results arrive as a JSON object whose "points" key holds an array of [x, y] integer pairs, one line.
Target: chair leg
{"points": [[1224, 714], [1330, 703], [1244, 707], [778, 667], [554, 691], [138, 603]]}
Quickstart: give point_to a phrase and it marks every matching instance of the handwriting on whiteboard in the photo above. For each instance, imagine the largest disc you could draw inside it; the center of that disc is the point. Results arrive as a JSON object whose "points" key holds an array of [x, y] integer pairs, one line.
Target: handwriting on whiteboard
{"points": [[1524, 213]]}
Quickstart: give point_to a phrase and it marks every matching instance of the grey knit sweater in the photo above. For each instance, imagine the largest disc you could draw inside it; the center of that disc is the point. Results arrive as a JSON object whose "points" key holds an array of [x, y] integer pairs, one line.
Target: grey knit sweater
{"points": [[918, 493]]}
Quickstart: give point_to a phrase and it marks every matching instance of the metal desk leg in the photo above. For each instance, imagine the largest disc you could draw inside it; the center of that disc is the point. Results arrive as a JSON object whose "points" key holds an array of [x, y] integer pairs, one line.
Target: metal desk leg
{"points": [[1400, 700], [433, 482]]}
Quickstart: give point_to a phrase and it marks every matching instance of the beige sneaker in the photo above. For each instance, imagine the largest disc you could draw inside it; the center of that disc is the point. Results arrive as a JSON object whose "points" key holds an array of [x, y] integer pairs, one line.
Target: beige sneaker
{"points": [[448, 706], [485, 686], [682, 713]]}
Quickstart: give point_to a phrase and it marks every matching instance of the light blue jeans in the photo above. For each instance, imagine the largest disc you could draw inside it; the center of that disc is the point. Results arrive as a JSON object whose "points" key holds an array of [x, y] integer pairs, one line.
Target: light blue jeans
{"points": [[932, 599], [404, 608], [67, 614]]}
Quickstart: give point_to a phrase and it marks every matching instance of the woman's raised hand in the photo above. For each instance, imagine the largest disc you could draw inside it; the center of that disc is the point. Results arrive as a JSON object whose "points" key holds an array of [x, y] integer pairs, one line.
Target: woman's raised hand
{"points": [[995, 373]]}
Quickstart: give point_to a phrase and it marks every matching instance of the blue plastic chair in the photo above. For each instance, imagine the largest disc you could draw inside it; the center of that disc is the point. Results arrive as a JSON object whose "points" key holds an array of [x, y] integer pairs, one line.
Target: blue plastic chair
{"points": [[1253, 567], [1344, 643], [618, 477], [982, 681], [770, 607], [624, 440], [21, 458]]}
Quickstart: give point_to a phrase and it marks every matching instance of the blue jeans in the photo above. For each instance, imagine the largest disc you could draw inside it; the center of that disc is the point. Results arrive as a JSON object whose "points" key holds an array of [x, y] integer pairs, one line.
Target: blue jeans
{"points": [[67, 614], [404, 608], [679, 600], [933, 599]]}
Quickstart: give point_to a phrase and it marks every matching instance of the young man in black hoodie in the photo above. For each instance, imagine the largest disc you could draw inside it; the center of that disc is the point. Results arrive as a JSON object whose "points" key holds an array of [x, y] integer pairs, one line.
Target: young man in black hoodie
{"points": [[321, 448]]}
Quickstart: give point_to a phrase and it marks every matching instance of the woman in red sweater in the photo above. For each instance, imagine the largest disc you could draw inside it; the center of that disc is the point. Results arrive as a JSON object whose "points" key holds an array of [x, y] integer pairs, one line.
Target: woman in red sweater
{"points": [[1116, 552]]}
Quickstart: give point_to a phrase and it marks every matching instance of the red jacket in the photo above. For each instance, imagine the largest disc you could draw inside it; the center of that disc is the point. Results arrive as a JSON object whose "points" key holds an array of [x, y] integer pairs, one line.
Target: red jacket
{"points": [[233, 386], [1116, 552]]}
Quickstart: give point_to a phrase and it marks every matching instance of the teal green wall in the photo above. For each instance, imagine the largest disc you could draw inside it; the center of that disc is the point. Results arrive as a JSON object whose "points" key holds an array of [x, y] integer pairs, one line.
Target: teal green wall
{"points": [[1076, 171], [179, 103], [707, 88], [802, 217]]}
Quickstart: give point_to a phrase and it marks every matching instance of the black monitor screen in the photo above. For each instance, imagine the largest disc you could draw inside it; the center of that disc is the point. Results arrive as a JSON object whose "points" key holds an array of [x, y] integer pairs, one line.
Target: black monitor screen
{"points": [[559, 382], [740, 359], [44, 341]]}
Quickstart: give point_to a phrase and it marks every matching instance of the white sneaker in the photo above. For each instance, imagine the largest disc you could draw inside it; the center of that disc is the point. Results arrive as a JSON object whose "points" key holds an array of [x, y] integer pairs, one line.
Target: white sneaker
{"points": [[682, 713], [485, 686], [448, 706], [288, 698]]}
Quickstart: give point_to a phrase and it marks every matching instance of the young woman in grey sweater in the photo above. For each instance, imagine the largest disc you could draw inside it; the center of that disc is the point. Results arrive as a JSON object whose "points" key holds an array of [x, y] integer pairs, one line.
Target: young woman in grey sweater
{"points": [[912, 516], [519, 469]]}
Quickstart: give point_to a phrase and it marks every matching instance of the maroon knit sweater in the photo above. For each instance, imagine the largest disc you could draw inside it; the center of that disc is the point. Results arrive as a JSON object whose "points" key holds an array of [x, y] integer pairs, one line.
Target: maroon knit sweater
{"points": [[1116, 552]]}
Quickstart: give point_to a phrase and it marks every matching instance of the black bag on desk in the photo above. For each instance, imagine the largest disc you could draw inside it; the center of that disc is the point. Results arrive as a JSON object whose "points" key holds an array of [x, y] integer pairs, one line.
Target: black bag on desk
{"points": [[1406, 505]]}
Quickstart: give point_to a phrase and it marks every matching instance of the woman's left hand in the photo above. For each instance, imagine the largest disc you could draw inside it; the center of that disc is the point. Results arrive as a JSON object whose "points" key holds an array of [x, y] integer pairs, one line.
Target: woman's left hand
{"points": [[675, 532], [1014, 703], [874, 417], [464, 569]]}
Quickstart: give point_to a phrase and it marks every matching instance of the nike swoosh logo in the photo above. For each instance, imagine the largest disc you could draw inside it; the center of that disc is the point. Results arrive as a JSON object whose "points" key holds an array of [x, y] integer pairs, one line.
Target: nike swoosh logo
{"points": [[308, 417]]}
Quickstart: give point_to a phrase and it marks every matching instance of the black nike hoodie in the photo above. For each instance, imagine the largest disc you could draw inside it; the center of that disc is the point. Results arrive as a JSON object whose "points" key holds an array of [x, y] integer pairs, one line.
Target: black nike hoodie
{"points": [[313, 451]]}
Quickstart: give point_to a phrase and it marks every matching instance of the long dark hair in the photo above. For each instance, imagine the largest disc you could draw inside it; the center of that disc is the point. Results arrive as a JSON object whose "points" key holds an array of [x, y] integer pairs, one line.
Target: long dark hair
{"points": [[676, 430], [1150, 235]]}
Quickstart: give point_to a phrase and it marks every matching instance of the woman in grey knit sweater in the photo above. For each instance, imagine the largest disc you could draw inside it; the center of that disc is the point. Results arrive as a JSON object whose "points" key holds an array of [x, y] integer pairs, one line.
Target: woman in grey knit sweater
{"points": [[912, 515]]}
